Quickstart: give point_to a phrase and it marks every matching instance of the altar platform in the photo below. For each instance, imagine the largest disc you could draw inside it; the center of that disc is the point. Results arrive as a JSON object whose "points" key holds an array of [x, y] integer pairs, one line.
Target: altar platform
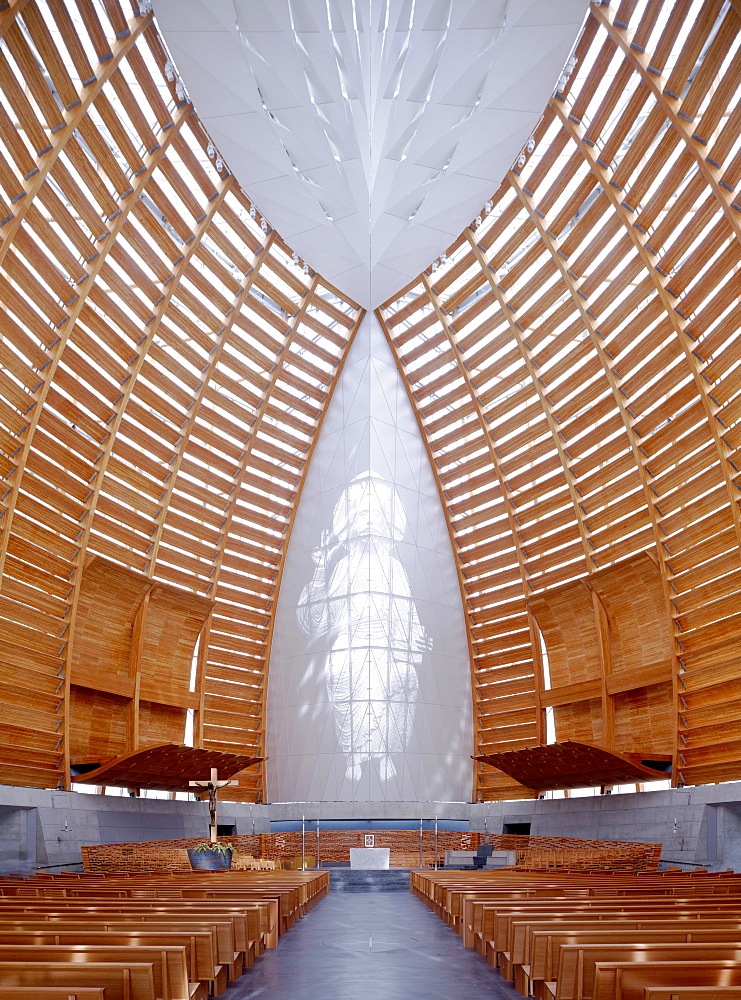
{"points": [[368, 880]]}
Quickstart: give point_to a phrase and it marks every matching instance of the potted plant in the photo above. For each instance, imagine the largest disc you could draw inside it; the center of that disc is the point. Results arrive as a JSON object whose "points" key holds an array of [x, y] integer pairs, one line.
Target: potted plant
{"points": [[211, 856]]}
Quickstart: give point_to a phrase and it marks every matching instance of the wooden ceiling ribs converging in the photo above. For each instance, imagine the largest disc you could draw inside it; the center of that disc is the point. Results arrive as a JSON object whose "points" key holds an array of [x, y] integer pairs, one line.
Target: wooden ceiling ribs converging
{"points": [[573, 365], [574, 369], [165, 370]]}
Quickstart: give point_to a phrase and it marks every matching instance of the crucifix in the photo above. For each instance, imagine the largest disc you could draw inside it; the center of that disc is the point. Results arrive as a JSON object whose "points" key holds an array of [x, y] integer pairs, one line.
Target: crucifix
{"points": [[212, 787]]}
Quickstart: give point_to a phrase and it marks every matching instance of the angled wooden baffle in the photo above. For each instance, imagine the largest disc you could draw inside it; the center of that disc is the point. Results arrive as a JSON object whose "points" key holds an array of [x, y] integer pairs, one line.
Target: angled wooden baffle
{"points": [[577, 765], [166, 767]]}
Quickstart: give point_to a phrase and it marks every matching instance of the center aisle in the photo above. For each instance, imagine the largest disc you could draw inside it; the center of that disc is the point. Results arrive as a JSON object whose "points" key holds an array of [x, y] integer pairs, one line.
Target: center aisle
{"points": [[370, 946]]}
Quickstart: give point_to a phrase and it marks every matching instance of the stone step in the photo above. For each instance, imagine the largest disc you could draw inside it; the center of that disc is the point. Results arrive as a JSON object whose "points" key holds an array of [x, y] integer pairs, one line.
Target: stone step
{"points": [[349, 880]]}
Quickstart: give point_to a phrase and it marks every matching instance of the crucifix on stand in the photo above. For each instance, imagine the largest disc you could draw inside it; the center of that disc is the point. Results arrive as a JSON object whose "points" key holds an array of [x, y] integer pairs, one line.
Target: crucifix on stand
{"points": [[212, 787]]}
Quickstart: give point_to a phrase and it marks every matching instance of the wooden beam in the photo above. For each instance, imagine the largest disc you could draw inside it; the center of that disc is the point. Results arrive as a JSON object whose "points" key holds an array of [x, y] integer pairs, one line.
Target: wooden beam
{"points": [[509, 312], [661, 282], [656, 84], [9, 14], [216, 355], [567, 694], [72, 117], [138, 631], [496, 465], [605, 656]]}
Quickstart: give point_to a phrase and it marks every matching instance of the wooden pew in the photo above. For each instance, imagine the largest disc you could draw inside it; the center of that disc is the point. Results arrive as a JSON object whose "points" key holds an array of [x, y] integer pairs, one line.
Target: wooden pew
{"points": [[217, 923], [151, 911], [200, 946], [133, 981], [577, 963], [632, 981], [494, 919], [51, 993], [690, 993], [533, 944], [546, 946], [474, 905], [169, 966]]}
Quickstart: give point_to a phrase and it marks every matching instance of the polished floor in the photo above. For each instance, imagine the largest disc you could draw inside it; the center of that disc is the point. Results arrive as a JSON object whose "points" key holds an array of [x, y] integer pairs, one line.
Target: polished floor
{"points": [[370, 946]]}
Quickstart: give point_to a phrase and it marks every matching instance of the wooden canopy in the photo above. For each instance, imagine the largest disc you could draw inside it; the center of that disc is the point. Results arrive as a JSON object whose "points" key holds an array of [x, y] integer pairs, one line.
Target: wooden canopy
{"points": [[167, 767], [576, 765]]}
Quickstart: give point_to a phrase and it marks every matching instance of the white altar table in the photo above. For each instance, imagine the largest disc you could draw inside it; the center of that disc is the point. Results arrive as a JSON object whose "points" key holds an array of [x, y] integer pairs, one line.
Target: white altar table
{"points": [[369, 858]]}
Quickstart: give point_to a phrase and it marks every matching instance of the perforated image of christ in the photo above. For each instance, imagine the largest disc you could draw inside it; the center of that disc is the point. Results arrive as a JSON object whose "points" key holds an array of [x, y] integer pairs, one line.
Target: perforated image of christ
{"points": [[360, 596]]}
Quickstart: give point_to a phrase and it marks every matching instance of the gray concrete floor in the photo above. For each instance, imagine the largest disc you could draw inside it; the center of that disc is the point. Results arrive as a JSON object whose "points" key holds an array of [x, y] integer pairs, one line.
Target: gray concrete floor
{"points": [[370, 946]]}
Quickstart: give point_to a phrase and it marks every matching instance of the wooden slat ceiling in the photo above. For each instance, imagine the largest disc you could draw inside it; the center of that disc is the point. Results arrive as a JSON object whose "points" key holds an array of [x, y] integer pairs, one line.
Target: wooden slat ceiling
{"points": [[165, 370], [166, 366], [574, 370]]}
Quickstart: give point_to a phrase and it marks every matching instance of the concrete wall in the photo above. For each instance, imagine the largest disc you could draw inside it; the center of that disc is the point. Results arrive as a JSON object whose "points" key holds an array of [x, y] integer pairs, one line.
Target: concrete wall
{"points": [[696, 826], [47, 828]]}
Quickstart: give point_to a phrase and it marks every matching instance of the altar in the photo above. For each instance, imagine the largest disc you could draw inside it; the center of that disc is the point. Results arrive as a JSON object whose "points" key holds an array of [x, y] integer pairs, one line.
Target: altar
{"points": [[369, 858]]}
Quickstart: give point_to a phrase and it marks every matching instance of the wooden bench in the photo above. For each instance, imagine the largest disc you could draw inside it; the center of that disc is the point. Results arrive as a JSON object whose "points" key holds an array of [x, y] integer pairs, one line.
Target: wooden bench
{"points": [[546, 946], [632, 981], [133, 981], [577, 963], [169, 966], [51, 993], [242, 918], [690, 993], [533, 944], [200, 946], [494, 919], [215, 923]]}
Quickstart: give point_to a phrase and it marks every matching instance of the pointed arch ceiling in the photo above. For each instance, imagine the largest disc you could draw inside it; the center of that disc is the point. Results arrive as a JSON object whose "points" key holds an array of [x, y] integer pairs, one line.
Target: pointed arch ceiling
{"points": [[166, 368]]}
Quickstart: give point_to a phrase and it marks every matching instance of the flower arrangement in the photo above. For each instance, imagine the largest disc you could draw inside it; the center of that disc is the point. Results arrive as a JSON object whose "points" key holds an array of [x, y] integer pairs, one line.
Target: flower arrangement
{"points": [[216, 845]]}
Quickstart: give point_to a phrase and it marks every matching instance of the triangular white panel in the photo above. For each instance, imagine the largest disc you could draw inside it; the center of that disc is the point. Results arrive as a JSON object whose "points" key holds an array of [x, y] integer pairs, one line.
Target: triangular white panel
{"points": [[354, 123], [370, 635]]}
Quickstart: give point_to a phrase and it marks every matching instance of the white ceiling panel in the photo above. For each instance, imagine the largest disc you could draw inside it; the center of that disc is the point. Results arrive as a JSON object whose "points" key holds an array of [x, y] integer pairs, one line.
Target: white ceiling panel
{"points": [[342, 119]]}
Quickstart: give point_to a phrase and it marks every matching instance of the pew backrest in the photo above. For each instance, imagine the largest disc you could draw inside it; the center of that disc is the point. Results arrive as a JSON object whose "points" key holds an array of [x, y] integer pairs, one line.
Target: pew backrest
{"points": [[52, 993], [133, 981], [577, 963], [168, 963], [630, 981], [692, 993]]}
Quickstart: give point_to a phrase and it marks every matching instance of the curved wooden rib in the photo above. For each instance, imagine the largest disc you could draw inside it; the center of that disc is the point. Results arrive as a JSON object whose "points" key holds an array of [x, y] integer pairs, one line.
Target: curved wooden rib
{"points": [[603, 237], [96, 394]]}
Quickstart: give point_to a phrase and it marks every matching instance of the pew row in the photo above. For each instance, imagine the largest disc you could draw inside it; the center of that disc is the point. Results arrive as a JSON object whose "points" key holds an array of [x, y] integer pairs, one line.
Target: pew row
{"points": [[550, 933], [193, 933]]}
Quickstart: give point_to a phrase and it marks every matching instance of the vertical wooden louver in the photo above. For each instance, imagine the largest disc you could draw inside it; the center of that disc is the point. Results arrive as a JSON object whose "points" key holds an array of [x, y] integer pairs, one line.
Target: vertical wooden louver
{"points": [[574, 369], [166, 368]]}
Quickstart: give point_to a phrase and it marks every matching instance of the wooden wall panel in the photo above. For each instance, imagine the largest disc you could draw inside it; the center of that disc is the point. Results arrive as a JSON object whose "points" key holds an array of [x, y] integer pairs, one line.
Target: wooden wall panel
{"points": [[109, 598], [567, 623], [133, 657]]}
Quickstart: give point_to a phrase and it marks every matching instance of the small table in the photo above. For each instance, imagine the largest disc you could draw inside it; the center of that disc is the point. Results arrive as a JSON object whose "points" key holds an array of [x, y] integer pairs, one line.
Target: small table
{"points": [[369, 858]]}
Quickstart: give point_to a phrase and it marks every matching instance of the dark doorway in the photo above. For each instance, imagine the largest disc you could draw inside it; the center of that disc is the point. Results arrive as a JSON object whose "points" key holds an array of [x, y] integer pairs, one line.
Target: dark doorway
{"points": [[521, 828]]}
